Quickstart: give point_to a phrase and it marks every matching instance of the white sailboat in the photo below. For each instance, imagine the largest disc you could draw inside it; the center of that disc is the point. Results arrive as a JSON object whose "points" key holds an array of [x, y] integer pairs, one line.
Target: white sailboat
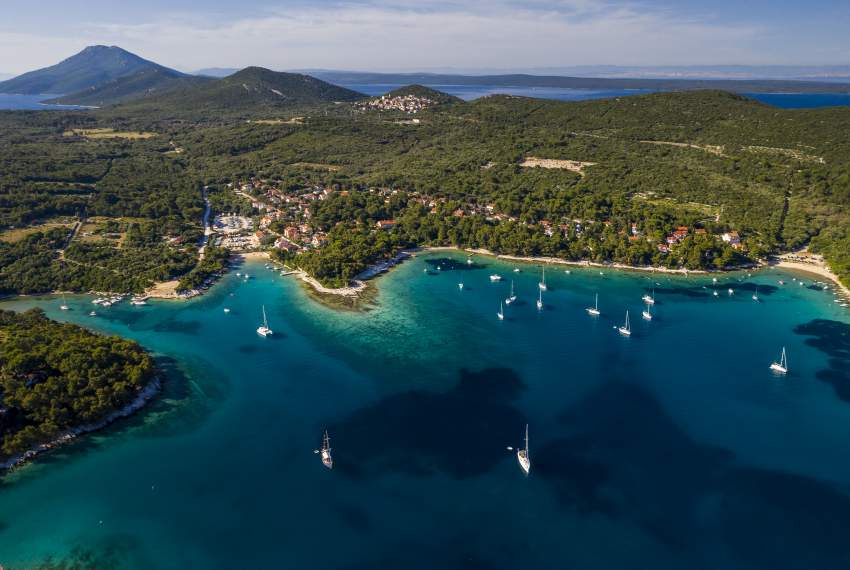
{"points": [[626, 329], [594, 310], [540, 300], [756, 294], [542, 283], [264, 330], [647, 313], [649, 299], [501, 313], [782, 366], [522, 455], [512, 297], [469, 261], [495, 277], [64, 305], [460, 286], [327, 460]]}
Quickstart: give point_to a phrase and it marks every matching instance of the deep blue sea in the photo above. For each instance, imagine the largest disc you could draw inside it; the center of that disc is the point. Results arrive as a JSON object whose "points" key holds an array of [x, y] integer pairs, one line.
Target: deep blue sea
{"points": [[29, 103], [468, 92], [675, 448]]}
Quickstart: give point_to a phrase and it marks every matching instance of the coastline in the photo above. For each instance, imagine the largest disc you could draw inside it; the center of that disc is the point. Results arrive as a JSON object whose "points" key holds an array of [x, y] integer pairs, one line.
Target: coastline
{"points": [[813, 268], [144, 396]]}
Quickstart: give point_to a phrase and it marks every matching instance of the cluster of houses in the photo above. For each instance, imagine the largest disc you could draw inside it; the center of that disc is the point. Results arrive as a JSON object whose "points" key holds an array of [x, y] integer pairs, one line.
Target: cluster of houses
{"points": [[410, 104], [285, 219]]}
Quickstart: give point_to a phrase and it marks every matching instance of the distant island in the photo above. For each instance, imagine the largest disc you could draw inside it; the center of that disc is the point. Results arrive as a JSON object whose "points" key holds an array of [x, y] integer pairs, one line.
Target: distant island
{"points": [[331, 181]]}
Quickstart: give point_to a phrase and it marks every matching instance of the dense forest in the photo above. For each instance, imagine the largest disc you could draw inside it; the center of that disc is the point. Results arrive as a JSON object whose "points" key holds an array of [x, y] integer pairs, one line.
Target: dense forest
{"points": [[54, 377], [708, 160]]}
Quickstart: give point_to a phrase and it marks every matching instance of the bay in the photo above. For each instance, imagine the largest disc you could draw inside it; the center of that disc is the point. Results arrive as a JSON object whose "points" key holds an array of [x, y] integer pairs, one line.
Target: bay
{"points": [[14, 102], [674, 448]]}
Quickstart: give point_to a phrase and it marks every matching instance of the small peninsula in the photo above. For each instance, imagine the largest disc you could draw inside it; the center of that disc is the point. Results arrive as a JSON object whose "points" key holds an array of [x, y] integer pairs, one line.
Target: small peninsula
{"points": [[58, 380]]}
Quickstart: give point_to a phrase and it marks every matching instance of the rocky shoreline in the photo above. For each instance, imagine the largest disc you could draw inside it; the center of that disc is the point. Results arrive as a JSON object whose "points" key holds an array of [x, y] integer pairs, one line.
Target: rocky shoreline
{"points": [[144, 396]]}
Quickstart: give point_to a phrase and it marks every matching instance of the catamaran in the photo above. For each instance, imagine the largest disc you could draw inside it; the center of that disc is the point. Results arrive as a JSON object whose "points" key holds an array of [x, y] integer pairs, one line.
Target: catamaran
{"points": [[542, 283], [594, 310], [327, 460], [501, 313], [649, 299], [540, 300], [647, 313], [512, 298], [264, 330], [64, 305], [495, 277], [522, 455], [626, 329], [781, 366]]}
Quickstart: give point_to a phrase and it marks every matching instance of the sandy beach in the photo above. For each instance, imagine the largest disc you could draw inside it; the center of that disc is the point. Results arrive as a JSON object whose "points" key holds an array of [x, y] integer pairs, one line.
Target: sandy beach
{"points": [[814, 268]]}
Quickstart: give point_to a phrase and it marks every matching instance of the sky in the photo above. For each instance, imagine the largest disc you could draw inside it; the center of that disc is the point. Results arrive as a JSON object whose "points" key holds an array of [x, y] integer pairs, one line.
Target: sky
{"points": [[430, 35]]}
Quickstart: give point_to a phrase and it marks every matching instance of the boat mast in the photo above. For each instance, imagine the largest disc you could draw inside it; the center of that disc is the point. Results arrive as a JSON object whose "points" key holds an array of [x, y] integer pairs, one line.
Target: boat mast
{"points": [[526, 440], [265, 320]]}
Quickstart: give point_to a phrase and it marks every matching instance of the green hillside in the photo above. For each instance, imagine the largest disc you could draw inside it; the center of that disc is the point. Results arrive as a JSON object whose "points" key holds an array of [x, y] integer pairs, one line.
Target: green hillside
{"points": [[604, 180], [150, 82], [251, 92]]}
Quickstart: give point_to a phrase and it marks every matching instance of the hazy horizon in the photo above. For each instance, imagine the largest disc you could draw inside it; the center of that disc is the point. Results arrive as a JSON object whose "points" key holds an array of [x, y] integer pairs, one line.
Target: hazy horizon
{"points": [[405, 36]]}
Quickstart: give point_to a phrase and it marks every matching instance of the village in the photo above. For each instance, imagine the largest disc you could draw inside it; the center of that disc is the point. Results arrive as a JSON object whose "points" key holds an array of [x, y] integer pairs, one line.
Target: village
{"points": [[283, 220]]}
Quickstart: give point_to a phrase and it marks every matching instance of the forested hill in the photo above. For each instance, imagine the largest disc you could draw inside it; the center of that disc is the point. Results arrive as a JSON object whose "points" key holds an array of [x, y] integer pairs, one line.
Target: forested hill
{"points": [[250, 92], [145, 83], [606, 180], [55, 377]]}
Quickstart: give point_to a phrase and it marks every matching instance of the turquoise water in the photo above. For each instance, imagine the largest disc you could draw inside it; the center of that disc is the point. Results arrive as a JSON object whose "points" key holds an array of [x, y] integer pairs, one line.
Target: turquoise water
{"points": [[674, 448]]}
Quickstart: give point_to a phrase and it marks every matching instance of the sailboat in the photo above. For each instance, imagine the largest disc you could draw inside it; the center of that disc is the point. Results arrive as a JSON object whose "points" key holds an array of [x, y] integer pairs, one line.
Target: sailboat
{"points": [[64, 305], [264, 330], [626, 329], [460, 286], [501, 313], [756, 294], [649, 299], [512, 298], [781, 366], [327, 460], [469, 261], [647, 313], [495, 277], [540, 300], [522, 455], [542, 283], [594, 310]]}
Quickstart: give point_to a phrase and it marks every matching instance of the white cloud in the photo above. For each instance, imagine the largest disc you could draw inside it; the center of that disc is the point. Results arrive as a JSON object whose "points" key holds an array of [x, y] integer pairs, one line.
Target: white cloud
{"points": [[407, 35]]}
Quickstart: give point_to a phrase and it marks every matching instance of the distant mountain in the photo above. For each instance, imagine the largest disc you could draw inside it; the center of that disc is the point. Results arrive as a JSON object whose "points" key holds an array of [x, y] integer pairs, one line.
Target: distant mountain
{"points": [[355, 78], [91, 68], [4, 76], [145, 83], [216, 71], [251, 90]]}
